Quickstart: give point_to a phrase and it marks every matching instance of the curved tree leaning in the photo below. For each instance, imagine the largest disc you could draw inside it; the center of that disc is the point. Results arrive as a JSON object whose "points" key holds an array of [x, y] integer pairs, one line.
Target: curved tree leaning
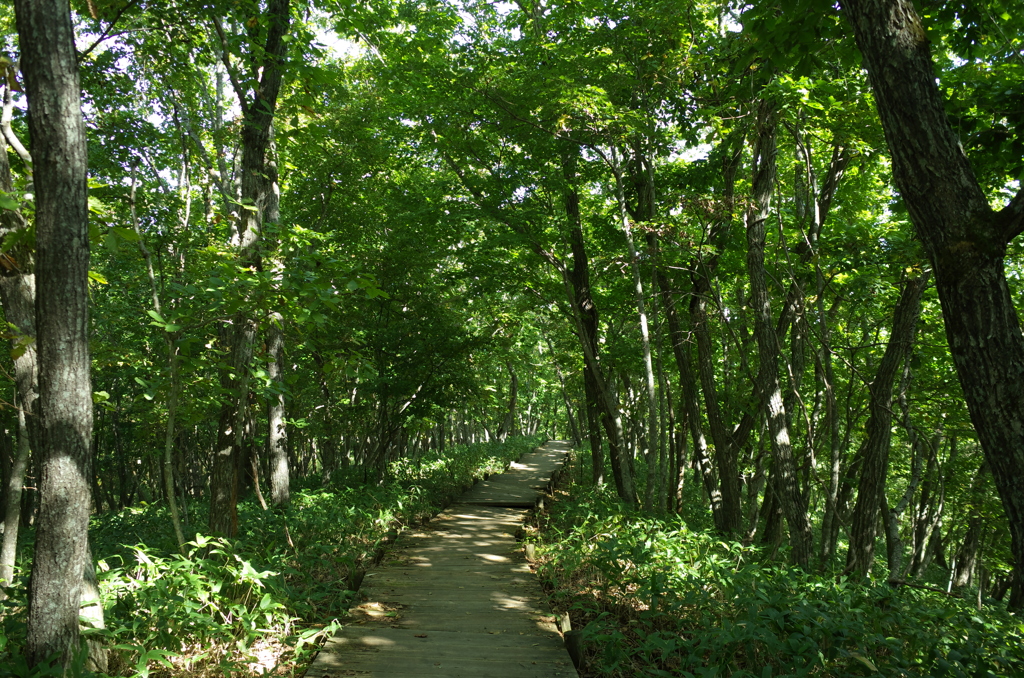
{"points": [[965, 240]]}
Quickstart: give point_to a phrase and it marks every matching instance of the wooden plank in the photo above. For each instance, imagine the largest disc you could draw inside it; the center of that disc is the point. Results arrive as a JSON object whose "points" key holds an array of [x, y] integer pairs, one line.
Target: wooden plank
{"points": [[457, 598]]}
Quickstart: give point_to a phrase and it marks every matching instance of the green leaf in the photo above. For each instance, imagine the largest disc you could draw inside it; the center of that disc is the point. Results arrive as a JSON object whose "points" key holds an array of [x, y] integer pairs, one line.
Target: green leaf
{"points": [[126, 233], [865, 661]]}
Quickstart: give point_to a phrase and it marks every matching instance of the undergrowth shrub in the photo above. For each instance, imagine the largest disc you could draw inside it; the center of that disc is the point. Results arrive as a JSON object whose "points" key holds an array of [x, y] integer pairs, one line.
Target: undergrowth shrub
{"points": [[261, 602], [657, 598]]}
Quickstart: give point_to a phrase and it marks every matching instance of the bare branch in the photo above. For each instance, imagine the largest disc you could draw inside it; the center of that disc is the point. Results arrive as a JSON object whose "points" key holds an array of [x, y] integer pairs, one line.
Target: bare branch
{"points": [[5, 125], [105, 35], [225, 57]]}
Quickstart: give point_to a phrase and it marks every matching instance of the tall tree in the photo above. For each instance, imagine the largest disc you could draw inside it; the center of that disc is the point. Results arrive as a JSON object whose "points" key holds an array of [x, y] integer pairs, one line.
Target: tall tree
{"points": [[875, 451], [50, 66], [258, 101], [964, 237], [786, 487]]}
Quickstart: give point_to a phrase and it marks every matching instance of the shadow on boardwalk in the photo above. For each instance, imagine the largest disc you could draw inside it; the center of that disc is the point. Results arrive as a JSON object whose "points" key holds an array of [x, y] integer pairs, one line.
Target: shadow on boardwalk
{"points": [[456, 598]]}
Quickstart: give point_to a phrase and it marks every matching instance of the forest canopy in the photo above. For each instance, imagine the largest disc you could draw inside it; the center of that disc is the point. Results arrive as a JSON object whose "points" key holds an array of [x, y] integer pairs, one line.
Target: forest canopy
{"points": [[760, 261]]}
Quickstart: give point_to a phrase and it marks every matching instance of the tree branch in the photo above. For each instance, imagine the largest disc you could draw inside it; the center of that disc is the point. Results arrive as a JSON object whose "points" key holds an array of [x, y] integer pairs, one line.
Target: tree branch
{"points": [[106, 34], [1012, 217], [225, 57], [5, 126], [495, 213]]}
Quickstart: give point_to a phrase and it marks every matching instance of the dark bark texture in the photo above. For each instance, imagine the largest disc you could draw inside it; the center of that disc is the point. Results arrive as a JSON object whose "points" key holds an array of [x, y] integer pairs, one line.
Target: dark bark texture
{"points": [[965, 240], [50, 67], [875, 468]]}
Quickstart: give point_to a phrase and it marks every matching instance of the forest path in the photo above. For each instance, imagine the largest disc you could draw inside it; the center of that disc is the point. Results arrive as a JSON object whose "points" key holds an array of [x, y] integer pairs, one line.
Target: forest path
{"points": [[457, 598]]}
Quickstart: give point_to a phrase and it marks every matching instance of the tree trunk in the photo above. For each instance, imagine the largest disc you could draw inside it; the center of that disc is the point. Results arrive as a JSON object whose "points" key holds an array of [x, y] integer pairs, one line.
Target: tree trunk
{"points": [[649, 433], [50, 67], [18, 297], [691, 405], [830, 518], [258, 203], [784, 480], [894, 543], [508, 422], [585, 311], [224, 472], [594, 427], [729, 514], [875, 468], [277, 436], [967, 556], [964, 238], [12, 508], [174, 374], [930, 509], [773, 517]]}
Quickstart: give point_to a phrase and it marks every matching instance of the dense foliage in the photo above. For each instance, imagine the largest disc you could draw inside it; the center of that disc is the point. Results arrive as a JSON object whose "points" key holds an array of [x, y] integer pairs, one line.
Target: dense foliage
{"points": [[265, 601], [336, 245], [667, 596]]}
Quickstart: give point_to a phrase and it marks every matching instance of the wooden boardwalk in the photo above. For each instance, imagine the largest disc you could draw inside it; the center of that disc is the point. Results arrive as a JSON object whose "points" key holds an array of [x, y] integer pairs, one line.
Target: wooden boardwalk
{"points": [[456, 598]]}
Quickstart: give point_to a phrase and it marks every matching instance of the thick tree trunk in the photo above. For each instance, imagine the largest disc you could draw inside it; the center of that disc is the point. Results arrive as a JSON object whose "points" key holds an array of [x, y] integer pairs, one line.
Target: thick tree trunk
{"points": [[784, 480], [875, 468], [50, 67], [964, 238], [224, 473]]}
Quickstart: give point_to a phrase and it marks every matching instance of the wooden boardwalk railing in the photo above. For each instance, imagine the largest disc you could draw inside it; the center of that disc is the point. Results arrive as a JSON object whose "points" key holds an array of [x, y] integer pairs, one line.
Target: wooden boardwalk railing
{"points": [[457, 598]]}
